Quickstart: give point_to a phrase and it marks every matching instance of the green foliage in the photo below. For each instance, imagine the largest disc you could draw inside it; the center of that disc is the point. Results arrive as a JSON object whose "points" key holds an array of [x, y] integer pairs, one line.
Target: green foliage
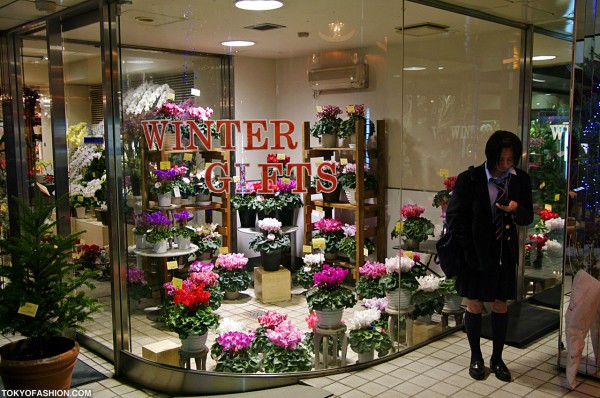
{"points": [[280, 360], [186, 189], [42, 274], [207, 244], [332, 240], [347, 245], [364, 340], [426, 303], [240, 362], [138, 291], [304, 276], [348, 181], [417, 228], [157, 234], [233, 280], [261, 342], [324, 297], [184, 231], [441, 198], [370, 287], [407, 280], [267, 204], [348, 126], [246, 201], [326, 125], [184, 322], [289, 200], [262, 242]]}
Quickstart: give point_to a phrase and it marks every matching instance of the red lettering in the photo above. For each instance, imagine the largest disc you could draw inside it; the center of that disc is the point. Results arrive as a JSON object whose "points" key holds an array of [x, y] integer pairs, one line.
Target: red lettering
{"points": [[270, 172], [227, 139], [251, 134], [283, 134], [204, 137], [326, 177], [177, 124], [225, 180], [152, 131], [300, 168]]}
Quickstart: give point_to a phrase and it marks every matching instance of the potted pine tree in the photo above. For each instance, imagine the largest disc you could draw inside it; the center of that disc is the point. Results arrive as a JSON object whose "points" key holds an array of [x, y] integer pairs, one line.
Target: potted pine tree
{"points": [[41, 299]]}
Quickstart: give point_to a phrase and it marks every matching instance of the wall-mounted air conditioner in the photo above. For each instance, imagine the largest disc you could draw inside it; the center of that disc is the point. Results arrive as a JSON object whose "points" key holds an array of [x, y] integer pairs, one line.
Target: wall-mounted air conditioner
{"points": [[340, 78]]}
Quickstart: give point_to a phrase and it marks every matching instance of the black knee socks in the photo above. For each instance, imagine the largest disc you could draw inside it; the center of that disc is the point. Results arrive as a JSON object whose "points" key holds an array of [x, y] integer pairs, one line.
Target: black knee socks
{"points": [[499, 328], [473, 329]]}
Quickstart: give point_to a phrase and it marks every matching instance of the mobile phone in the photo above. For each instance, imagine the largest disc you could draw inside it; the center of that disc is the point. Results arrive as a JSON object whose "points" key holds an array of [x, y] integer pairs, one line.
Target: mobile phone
{"points": [[503, 202]]}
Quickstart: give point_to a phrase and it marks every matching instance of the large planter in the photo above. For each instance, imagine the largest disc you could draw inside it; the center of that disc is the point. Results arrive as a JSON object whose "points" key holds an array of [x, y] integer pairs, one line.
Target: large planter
{"points": [[194, 343], [287, 216], [453, 302], [411, 244], [329, 140], [161, 246], [366, 356], [80, 212], [351, 195], [270, 261], [329, 318], [49, 373], [229, 295], [182, 242], [399, 298], [164, 199], [247, 218]]}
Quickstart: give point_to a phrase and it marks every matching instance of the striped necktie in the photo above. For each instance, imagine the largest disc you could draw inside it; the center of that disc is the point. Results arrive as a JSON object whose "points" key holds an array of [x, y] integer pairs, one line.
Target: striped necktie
{"points": [[498, 214]]}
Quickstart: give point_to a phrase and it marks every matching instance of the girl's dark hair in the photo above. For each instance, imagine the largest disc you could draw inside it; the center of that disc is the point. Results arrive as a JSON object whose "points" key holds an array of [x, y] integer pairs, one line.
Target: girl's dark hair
{"points": [[499, 140]]}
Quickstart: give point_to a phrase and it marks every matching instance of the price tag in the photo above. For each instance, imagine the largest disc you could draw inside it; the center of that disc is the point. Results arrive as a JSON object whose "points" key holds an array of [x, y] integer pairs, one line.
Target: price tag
{"points": [[281, 156], [319, 108], [319, 243], [350, 108], [444, 173], [172, 265], [177, 283], [398, 226], [557, 197], [343, 161], [306, 249], [177, 192], [285, 181], [319, 209], [190, 228], [28, 309], [223, 250], [188, 156], [207, 165], [186, 180], [165, 165], [548, 207], [80, 198], [409, 254], [236, 179], [542, 185], [366, 251]]}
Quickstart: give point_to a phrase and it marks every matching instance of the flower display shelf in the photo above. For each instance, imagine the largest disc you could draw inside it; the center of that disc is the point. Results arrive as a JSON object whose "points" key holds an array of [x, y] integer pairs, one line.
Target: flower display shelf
{"points": [[374, 212]]}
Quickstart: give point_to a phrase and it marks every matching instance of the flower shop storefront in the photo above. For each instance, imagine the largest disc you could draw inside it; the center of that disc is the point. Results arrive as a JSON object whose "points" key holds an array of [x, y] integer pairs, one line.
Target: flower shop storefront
{"points": [[206, 180]]}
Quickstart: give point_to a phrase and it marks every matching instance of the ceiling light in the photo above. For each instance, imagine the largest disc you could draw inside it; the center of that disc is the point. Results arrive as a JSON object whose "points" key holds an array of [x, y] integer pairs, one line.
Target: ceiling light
{"points": [[538, 80], [414, 68], [140, 61], [258, 5], [543, 57], [238, 43]]}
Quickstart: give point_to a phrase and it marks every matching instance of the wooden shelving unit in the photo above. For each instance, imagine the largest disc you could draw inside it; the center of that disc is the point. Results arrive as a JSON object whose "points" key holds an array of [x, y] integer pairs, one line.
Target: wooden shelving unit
{"points": [[362, 210]]}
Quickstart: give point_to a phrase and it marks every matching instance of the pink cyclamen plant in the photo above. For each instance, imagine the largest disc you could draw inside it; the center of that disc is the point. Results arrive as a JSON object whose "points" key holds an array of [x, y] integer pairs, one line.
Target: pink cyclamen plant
{"points": [[231, 261]]}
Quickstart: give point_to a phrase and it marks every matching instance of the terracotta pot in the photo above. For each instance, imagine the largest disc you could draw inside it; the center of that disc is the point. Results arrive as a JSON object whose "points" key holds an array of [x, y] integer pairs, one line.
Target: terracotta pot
{"points": [[50, 373]]}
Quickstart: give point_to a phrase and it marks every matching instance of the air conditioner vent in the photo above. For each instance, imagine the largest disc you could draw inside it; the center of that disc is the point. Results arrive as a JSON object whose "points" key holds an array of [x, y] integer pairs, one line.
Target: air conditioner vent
{"points": [[340, 78], [265, 26]]}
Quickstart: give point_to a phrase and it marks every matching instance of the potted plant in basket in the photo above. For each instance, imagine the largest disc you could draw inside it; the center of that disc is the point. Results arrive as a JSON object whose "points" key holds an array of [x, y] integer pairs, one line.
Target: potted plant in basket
{"points": [[270, 242], [347, 180], [233, 276], [41, 298], [164, 182], [159, 231], [400, 279], [312, 263], [287, 352], [328, 297], [208, 240], [330, 229], [368, 285], [347, 245], [413, 228], [327, 125], [183, 232], [367, 335]]}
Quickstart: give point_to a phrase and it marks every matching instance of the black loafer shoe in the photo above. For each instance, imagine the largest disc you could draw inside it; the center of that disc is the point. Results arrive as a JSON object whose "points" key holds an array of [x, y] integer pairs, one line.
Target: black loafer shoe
{"points": [[500, 370], [477, 370]]}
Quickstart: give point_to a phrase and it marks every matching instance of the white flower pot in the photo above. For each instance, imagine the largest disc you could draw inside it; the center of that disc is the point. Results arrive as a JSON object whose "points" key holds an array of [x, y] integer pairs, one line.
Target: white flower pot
{"points": [[194, 343], [452, 302], [398, 298], [366, 357], [160, 246], [204, 199], [80, 212], [183, 243], [351, 195], [164, 199], [329, 318], [176, 200], [140, 242]]}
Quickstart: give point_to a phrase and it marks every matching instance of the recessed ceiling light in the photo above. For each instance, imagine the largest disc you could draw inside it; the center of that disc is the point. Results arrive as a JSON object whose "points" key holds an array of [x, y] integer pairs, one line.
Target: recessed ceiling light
{"points": [[238, 43], [543, 57], [258, 5], [140, 61], [413, 68]]}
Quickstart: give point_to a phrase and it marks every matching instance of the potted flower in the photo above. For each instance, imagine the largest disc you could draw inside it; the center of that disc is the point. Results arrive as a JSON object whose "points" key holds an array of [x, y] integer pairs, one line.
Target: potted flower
{"points": [[233, 276], [137, 286], [266, 206], [287, 353], [330, 229], [41, 298], [328, 297], [368, 335], [288, 201], [79, 202], [442, 197], [327, 125], [333, 196], [187, 190], [159, 231], [400, 279], [539, 242], [231, 351], [164, 182], [183, 232], [244, 202], [312, 264], [348, 127], [187, 312], [430, 296], [413, 228], [141, 228], [347, 245], [347, 180], [208, 240], [270, 242], [368, 285], [545, 216], [203, 273], [267, 321]]}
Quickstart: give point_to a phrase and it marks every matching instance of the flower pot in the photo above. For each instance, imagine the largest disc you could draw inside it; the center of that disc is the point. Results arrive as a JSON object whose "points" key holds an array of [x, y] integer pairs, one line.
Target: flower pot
{"points": [[328, 140], [287, 216], [351, 195], [229, 295], [452, 302], [164, 199], [366, 356], [49, 373], [140, 242], [352, 141], [204, 199], [270, 261], [206, 257], [160, 246], [247, 218], [98, 214], [80, 212], [194, 343], [329, 318], [186, 201], [104, 217], [176, 200], [411, 244], [332, 197], [183, 243], [330, 256], [398, 298], [262, 215]]}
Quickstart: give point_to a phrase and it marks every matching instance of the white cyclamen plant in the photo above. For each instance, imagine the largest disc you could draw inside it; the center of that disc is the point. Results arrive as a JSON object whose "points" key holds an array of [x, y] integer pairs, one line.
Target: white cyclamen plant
{"points": [[363, 319], [313, 260]]}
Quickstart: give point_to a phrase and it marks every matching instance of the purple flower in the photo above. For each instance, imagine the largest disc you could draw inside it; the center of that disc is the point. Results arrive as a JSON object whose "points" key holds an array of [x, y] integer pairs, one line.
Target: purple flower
{"points": [[235, 341], [283, 187], [136, 276], [182, 217], [285, 335], [330, 276], [199, 266], [158, 219]]}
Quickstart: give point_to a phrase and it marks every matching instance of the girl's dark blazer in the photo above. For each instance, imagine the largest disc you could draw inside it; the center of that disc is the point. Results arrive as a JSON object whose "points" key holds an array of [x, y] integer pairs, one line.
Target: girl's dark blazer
{"points": [[469, 216]]}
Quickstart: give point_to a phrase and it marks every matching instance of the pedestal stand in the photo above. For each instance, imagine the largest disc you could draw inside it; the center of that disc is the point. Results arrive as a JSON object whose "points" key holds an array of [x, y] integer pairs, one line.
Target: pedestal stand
{"points": [[185, 358], [321, 343], [457, 314], [393, 331]]}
